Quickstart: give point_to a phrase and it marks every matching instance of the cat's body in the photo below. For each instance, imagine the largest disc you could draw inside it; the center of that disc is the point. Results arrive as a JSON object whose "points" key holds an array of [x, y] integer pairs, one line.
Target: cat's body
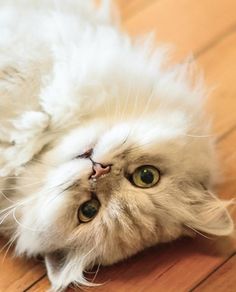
{"points": [[78, 98]]}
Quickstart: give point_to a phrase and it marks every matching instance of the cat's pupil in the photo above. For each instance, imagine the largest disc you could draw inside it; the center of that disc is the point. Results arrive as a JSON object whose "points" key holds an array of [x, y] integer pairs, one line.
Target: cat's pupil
{"points": [[89, 209], [146, 176]]}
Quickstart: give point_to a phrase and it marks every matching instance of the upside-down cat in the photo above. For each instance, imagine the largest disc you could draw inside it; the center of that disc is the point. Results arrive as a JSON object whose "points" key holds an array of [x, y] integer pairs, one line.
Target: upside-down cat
{"points": [[104, 147]]}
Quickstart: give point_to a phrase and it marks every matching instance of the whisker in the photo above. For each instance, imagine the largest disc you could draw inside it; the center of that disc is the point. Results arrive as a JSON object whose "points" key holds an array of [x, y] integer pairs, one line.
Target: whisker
{"points": [[127, 99], [15, 177], [61, 192], [135, 148], [96, 273], [22, 225], [18, 204], [117, 107], [147, 106], [5, 245], [106, 107], [197, 231], [61, 129], [199, 136], [152, 141], [135, 103], [43, 162], [6, 198], [7, 209], [2, 218], [20, 187], [10, 243]]}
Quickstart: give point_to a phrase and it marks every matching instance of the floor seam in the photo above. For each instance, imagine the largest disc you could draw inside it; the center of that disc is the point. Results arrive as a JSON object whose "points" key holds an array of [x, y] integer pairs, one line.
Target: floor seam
{"points": [[216, 40], [35, 282], [212, 272], [137, 8], [226, 134], [163, 273]]}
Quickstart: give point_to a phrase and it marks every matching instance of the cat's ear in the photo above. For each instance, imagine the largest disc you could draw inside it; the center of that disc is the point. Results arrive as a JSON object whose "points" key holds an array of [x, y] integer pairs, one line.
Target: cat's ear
{"points": [[65, 268], [210, 215]]}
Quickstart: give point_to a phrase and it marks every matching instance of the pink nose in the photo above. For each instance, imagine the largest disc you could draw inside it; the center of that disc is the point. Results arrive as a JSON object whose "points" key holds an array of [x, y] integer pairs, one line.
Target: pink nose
{"points": [[100, 170]]}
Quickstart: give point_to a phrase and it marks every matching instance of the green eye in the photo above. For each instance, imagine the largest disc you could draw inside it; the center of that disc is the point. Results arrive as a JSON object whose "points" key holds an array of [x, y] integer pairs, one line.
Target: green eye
{"points": [[145, 176], [88, 210]]}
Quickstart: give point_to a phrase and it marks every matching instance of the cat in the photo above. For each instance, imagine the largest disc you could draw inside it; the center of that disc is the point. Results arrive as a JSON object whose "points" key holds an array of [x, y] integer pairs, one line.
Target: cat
{"points": [[104, 146]]}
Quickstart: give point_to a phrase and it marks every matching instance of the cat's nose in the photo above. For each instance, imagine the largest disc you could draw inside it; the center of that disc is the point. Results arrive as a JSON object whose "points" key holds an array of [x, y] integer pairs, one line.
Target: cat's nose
{"points": [[99, 170]]}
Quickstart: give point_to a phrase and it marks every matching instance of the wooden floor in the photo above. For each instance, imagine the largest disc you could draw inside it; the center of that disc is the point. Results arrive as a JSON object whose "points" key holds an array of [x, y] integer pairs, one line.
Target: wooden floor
{"points": [[206, 28]]}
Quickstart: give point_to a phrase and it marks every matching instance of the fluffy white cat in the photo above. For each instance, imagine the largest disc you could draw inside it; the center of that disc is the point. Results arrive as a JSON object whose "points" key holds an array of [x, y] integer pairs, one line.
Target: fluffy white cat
{"points": [[104, 148]]}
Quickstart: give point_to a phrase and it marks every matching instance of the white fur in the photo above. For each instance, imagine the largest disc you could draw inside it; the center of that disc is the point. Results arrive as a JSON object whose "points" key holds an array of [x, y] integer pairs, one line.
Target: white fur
{"points": [[71, 81]]}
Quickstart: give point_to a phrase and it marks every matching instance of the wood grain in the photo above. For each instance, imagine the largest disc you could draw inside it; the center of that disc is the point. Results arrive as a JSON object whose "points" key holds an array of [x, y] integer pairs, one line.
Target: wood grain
{"points": [[173, 267], [157, 268], [223, 279], [41, 286], [218, 64], [17, 273], [227, 155], [129, 8], [188, 24]]}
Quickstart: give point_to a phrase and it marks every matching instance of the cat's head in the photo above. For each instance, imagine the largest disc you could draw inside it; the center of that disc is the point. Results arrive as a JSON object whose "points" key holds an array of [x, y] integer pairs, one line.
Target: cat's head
{"points": [[111, 187]]}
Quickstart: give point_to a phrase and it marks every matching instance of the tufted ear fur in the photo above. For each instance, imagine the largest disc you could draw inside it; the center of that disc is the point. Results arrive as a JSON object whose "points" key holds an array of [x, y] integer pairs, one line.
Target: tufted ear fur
{"points": [[210, 215], [63, 268]]}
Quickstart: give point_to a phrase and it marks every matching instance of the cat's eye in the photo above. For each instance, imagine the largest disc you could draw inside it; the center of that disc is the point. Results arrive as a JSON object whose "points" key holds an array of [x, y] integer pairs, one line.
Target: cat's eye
{"points": [[145, 176], [88, 210]]}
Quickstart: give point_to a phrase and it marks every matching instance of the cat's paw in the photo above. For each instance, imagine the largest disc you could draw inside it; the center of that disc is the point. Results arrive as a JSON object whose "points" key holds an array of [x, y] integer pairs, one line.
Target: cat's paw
{"points": [[25, 137]]}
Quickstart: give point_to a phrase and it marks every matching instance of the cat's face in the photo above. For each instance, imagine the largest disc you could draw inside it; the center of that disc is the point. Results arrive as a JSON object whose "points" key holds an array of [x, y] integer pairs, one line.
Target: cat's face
{"points": [[151, 187]]}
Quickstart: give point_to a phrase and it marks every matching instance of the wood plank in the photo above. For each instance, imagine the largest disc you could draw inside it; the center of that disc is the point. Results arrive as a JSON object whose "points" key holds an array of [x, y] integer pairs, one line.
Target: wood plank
{"points": [[146, 271], [219, 70], [189, 25], [222, 280], [41, 285], [17, 273], [227, 158], [131, 7], [163, 269]]}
